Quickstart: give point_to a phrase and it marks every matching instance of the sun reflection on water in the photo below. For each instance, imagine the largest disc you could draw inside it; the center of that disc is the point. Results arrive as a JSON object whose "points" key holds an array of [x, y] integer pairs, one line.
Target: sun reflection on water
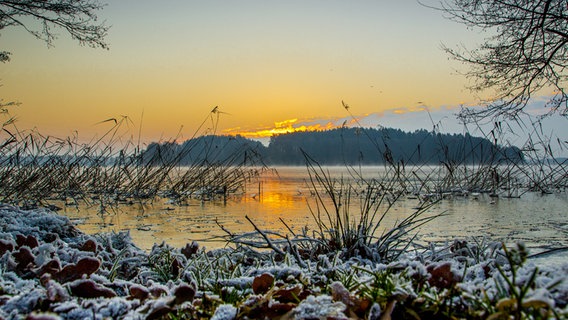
{"points": [[275, 198], [285, 197]]}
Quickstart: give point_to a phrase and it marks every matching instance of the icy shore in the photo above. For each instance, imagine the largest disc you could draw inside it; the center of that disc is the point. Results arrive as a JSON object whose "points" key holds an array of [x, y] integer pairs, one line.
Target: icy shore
{"points": [[50, 270]]}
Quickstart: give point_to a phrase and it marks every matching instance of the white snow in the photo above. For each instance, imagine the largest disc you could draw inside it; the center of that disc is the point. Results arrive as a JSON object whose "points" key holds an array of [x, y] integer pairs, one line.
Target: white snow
{"points": [[320, 307], [225, 312]]}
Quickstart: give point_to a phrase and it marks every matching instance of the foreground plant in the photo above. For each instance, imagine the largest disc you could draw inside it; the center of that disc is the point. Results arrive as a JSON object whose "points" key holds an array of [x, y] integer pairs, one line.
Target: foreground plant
{"points": [[349, 220], [513, 290], [357, 233]]}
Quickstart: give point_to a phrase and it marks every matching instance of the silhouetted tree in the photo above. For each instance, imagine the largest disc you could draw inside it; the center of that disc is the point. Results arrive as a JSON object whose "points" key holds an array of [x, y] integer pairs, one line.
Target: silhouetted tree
{"points": [[525, 52], [392, 146], [42, 18], [210, 149]]}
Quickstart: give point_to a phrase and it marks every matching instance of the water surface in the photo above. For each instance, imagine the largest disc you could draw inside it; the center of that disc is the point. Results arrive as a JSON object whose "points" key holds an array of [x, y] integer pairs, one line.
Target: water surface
{"points": [[536, 219]]}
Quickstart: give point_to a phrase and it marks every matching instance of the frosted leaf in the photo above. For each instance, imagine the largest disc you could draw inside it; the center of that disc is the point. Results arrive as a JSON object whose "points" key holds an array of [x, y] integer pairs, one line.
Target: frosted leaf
{"points": [[540, 297], [115, 308], [24, 302], [44, 253], [225, 312], [321, 307], [375, 312], [14, 285], [239, 283]]}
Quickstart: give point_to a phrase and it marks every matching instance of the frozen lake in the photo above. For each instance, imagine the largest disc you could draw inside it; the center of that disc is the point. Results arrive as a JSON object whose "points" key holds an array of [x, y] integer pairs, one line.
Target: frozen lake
{"points": [[539, 220]]}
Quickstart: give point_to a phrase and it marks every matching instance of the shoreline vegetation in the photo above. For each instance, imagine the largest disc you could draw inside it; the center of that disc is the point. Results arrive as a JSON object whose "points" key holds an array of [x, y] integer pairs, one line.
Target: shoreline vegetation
{"points": [[116, 169], [344, 268]]}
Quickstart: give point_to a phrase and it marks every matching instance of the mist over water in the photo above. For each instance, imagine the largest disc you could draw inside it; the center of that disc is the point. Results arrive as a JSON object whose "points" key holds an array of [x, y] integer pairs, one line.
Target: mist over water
{"points": [[538, 220]]}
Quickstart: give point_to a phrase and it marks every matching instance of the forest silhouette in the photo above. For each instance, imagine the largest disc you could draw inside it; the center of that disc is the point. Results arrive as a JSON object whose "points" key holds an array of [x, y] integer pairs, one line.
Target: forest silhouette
{"points": [[342, 146]]}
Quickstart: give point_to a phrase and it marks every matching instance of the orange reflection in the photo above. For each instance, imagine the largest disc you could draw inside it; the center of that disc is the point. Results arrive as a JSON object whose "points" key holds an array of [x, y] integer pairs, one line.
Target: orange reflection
{"points": [[276, 196], [277, 201]]}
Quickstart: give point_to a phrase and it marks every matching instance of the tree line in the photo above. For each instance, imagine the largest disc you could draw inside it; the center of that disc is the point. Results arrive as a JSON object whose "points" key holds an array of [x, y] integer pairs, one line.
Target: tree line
{"points": [[342, 146]]}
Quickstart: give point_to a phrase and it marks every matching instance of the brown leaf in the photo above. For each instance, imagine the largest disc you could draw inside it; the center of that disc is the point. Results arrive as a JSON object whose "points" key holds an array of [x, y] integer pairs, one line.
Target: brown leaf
{"points": [[358, 306], [29, 241], [70, 272], [278, 308], [190, 249], [183, 293], [441, 275], [89, 246], [158, 291], [51, 267], [138, 292], [340, 293], [86, 288], [176, 267], [49, 237], [290, 294], [261, 284], [158, 312], [23, 257], [5, 246]]}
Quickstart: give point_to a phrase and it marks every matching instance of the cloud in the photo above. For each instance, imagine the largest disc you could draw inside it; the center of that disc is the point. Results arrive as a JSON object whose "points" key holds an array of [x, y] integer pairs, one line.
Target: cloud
{"points": [[405, 118], [442, 118], [285, 123]]}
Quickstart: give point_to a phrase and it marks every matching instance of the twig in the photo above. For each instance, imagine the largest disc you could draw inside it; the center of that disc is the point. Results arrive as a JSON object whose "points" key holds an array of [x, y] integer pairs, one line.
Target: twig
{"points": [[268, 241], [294, 251], [224, 229], [287, 227]]}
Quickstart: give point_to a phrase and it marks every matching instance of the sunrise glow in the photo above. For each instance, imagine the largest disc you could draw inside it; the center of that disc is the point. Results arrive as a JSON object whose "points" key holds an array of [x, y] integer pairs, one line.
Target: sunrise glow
{"points": [[271, 67], [404, 116], [280, 127]]}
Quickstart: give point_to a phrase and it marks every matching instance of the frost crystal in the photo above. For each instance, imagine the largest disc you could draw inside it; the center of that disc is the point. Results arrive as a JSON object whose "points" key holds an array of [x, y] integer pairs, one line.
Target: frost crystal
{"points": [[225, 312], [321, 307]]}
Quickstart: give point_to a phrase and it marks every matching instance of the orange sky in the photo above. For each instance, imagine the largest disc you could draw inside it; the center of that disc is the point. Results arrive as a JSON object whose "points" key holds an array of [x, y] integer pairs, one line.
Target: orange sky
{"points": [[261, 62]]}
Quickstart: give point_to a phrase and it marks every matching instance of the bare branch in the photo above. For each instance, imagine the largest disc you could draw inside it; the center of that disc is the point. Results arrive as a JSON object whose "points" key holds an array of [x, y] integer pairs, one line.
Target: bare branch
{"points": [[42, 19], [525, 54]]}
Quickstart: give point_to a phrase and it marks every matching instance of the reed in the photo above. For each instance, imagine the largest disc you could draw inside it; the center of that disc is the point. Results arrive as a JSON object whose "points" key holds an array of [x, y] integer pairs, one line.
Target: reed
{"points": [[350, 219], [111, 169], [535, 168]]}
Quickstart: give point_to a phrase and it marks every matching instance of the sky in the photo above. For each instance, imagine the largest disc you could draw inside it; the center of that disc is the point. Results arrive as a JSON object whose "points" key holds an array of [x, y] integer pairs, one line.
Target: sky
{"points": [[261, 64]]}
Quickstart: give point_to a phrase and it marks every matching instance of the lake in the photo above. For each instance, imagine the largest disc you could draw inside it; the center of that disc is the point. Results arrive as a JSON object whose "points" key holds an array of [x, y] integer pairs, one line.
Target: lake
{"points": [[538, 220]]}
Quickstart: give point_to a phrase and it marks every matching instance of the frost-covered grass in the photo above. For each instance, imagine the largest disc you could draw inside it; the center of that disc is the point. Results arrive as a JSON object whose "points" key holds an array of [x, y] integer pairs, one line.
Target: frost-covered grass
{"points": [[50, 268]]}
